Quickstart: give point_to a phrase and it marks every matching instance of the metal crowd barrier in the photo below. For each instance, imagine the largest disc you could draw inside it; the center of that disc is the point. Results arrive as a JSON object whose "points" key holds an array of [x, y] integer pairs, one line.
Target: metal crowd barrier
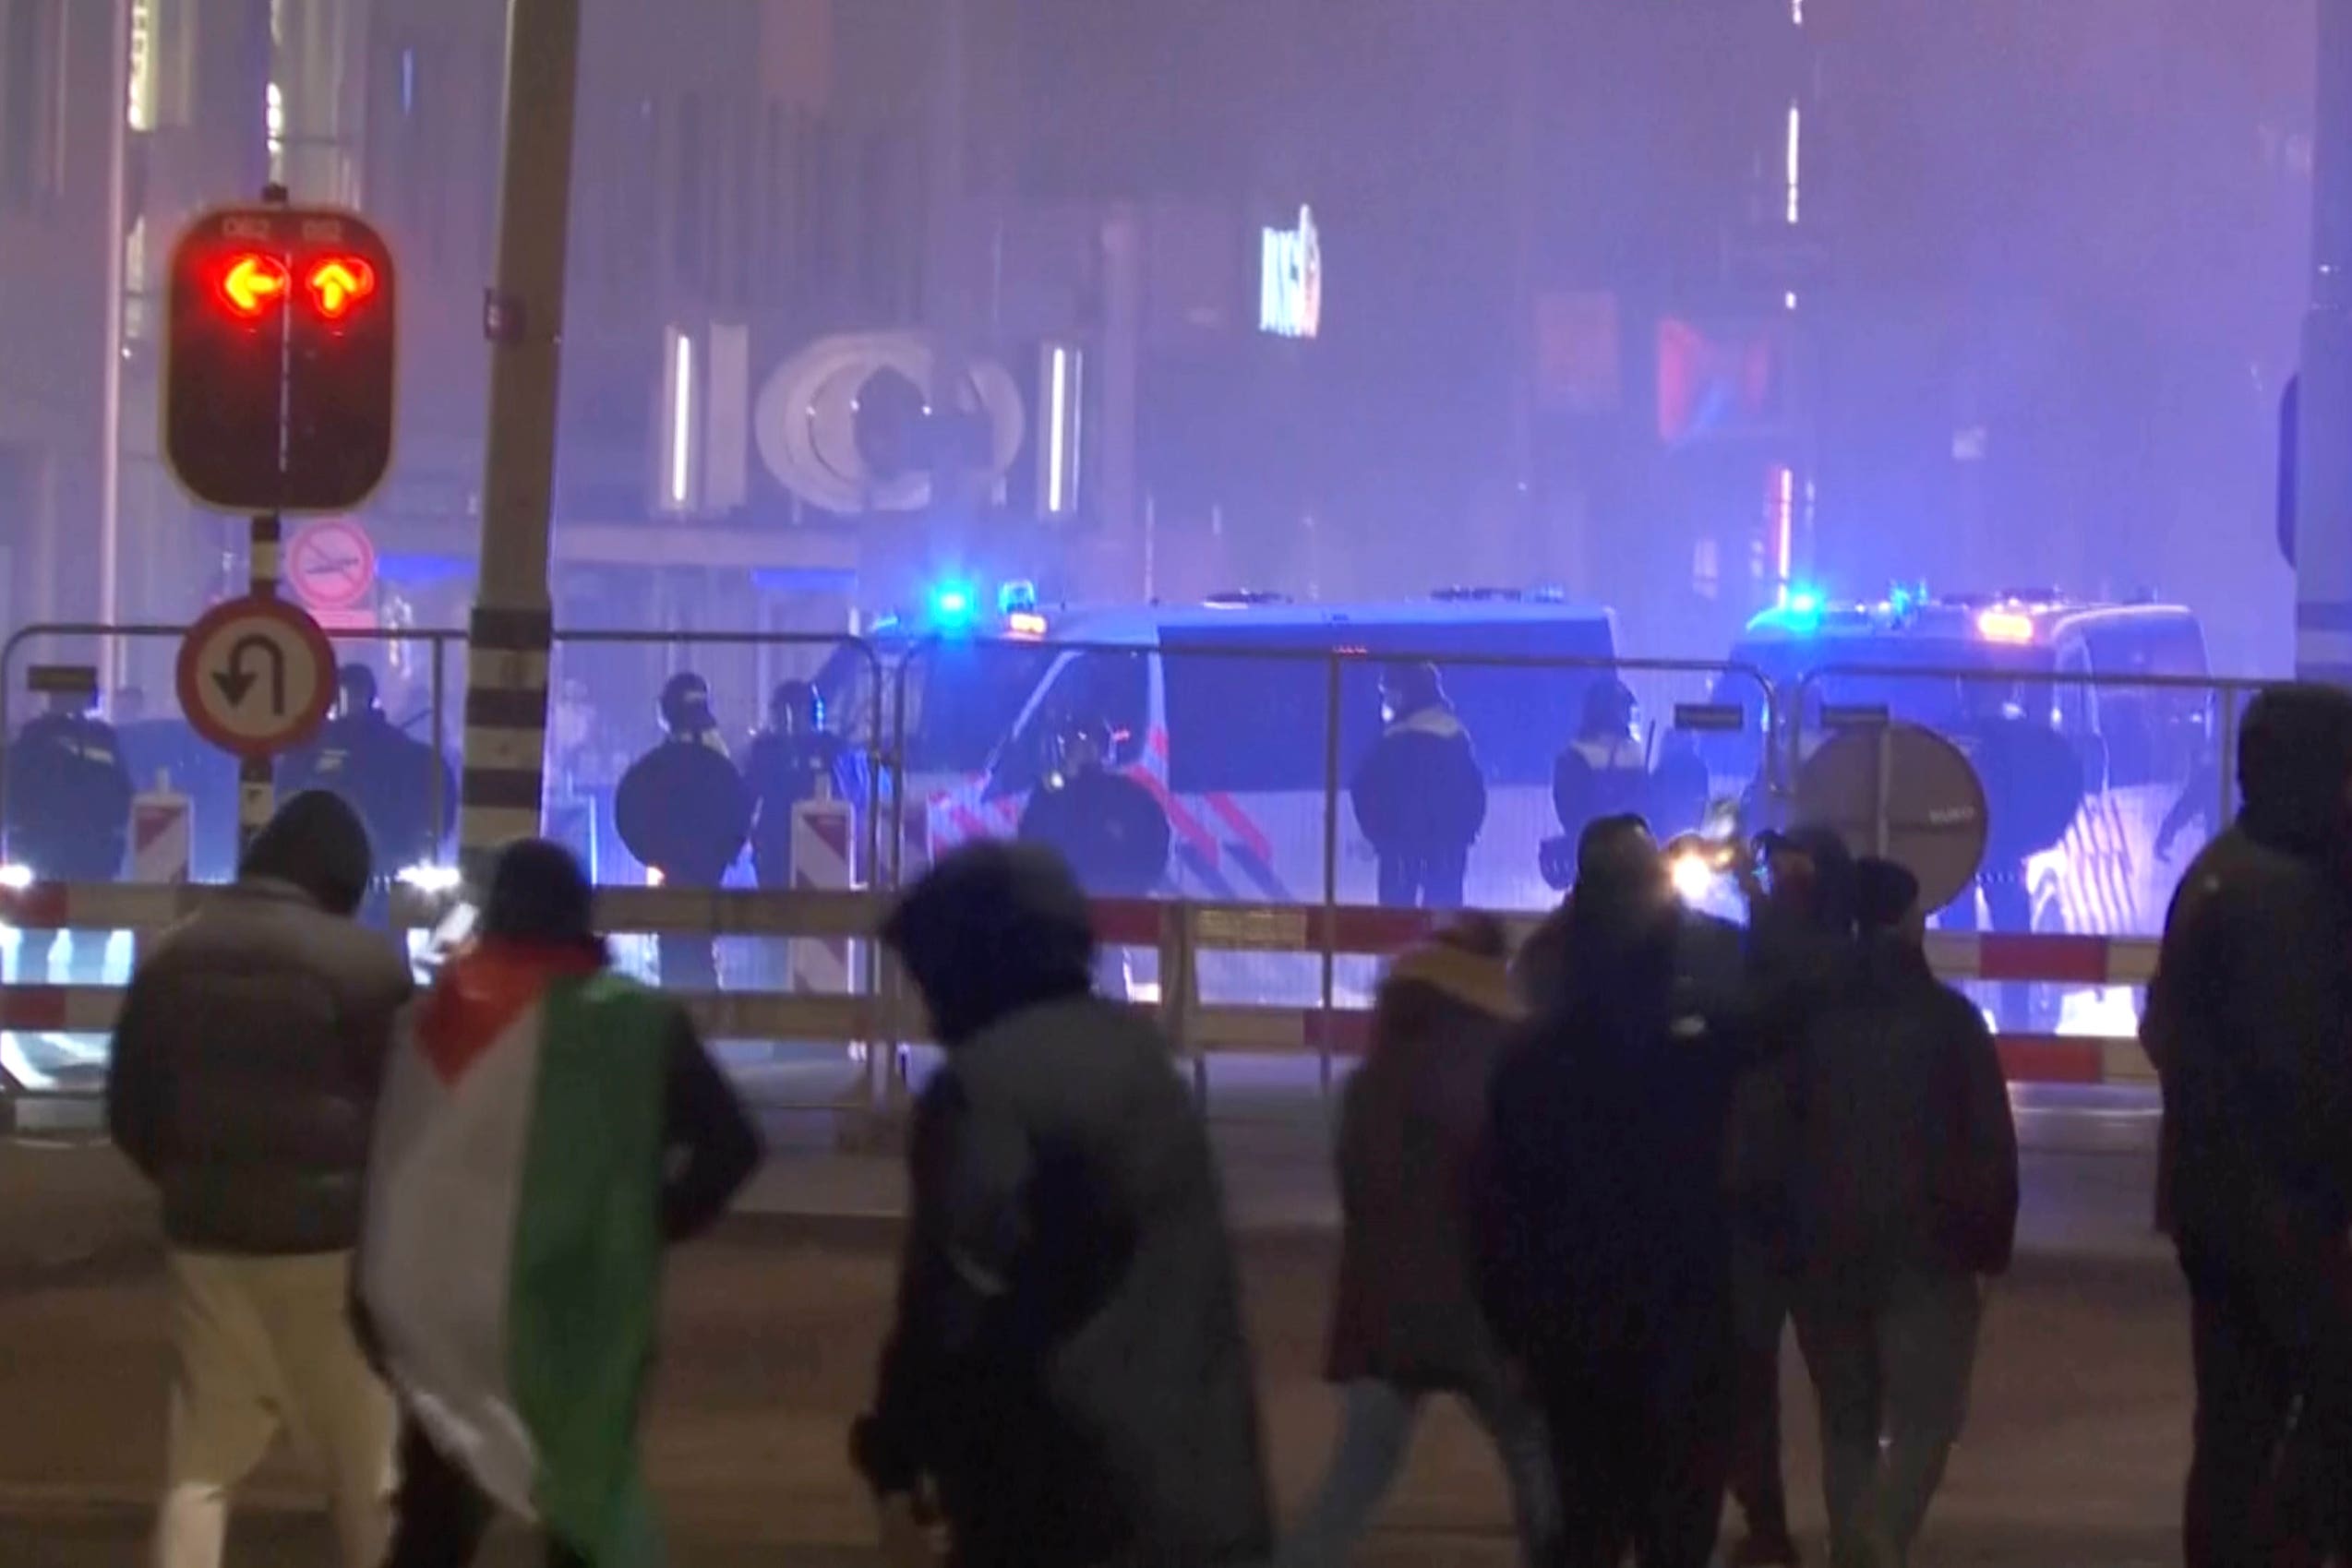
{"points": [[877, 1020]]}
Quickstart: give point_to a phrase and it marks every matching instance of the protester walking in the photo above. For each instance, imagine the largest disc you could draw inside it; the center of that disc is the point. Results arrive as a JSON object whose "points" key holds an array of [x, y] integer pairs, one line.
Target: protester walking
{"points": [[1067, 1367], [548, 1127], [1904, 1189], [1406, 1322], [1604, 1228], [1800, 918], [245, 1071], [2248, 1022]]}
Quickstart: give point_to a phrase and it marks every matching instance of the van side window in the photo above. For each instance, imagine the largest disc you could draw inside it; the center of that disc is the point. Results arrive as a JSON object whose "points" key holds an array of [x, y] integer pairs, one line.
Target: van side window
{"points": [[1113, 687], [2152, 732]]}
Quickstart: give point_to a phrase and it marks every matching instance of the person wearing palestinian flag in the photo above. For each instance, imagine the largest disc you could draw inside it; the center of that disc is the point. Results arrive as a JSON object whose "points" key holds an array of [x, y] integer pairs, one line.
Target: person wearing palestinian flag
{"points": [[546, 1129]]}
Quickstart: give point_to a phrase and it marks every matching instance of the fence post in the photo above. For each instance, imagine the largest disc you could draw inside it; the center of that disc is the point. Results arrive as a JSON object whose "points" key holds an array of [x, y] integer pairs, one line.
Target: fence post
{"points": [[1332, 694]]}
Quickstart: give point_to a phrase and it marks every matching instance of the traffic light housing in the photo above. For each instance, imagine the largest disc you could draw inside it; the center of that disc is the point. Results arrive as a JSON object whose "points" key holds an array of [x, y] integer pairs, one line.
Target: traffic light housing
{"points": [[280, 370]]}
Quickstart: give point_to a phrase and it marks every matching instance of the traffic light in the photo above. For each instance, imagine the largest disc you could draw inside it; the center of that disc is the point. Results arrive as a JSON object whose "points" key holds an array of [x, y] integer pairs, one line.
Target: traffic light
{"points": [[280, 370]]}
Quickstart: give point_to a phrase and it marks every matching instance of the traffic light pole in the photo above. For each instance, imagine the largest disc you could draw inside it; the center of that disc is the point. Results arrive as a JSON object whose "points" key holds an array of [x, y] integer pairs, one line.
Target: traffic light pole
{"points": [[2322, 447], [513, 627], [258, 776]]}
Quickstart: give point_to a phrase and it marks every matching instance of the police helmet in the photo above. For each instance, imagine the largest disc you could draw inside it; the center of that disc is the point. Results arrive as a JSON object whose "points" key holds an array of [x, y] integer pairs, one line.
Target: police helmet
{"points": [[1408, 687], [1079, 740], [796, 707], [685, 704], [357, 684], [1608, 708]]}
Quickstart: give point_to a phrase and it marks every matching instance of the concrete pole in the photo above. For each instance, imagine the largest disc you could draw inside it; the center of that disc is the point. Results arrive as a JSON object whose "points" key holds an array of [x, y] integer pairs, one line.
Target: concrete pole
{"points": [[2323, 450], [513, 627]]}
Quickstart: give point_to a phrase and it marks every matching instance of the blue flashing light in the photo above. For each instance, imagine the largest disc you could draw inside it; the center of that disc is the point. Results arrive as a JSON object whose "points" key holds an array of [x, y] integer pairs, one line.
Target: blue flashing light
{"points": [[1803, 601], [951, 603], [1017, 597]]}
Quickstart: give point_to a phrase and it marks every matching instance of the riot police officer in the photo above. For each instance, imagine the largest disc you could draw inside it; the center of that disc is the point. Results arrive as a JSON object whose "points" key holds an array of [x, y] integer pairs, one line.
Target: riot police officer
{"points": [[70, 807], [684, 812], [795, 758], [1106, 825], [1420, 797], [385, 773]]}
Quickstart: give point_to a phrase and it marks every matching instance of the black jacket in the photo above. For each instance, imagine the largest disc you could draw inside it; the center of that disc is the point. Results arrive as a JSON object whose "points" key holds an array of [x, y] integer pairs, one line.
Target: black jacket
{"points": [[1108, 827], [1420, 790], [1068, 1363], [69, 799], [1605, 1226], [1904, 1151], [390, 777], [683, 809], [2250, 1016]]}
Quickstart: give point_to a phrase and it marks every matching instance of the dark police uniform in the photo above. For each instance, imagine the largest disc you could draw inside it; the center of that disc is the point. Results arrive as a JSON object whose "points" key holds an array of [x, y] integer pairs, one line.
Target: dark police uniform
{"points": [[69, 799], [683, 810], [1420, 799], [1106, 825], [386, 775]]}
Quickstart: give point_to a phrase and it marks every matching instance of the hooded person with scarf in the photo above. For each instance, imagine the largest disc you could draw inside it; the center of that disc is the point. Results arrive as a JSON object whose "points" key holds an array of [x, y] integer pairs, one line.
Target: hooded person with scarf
{"points": [[1067, 1368], [1405, 1320], [547, 1128], [245, 1074], [1605, 1227], [2250, 1025]]}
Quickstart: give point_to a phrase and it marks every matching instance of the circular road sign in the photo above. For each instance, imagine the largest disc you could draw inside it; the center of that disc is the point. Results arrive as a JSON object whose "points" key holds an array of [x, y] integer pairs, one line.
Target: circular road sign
{"points": [[1905, 793], [256, 677], [331, 564]]}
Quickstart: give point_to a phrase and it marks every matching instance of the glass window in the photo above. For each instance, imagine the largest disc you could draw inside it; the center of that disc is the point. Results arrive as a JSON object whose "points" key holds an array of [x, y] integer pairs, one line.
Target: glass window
{"points": [[1113, 687], [962, 699]]}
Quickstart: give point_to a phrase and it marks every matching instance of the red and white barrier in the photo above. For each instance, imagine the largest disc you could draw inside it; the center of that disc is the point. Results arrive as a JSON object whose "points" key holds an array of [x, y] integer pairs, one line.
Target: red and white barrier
{"points": [[830, 921]]}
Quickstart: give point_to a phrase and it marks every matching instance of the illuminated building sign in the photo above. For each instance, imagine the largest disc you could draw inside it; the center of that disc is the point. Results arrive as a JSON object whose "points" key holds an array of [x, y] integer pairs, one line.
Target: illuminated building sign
{"points": [[1291, 280]]}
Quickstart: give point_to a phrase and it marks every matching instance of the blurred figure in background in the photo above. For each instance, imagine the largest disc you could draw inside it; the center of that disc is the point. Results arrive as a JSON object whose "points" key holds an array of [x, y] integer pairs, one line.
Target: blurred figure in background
{"points": [[1404, 1321], [1904, 1191], [1420, 797], [684, 812], [795, 758], [1800, 921], [1068, 1365], [70, 815], [1108, 827], [403, 789]]}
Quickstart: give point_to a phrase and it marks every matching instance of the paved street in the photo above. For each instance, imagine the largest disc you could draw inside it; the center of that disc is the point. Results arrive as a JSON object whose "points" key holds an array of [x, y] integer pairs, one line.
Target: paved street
{"points": [[2074, 1456]]}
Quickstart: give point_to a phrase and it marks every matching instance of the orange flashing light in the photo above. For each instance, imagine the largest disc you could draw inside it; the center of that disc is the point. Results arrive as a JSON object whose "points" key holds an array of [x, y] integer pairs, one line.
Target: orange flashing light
{"points": [[1025, 624], [2005, 626]]}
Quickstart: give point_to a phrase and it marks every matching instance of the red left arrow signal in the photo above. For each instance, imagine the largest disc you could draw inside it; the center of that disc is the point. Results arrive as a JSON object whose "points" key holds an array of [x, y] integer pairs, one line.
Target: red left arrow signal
{"points": [[252, 284]]}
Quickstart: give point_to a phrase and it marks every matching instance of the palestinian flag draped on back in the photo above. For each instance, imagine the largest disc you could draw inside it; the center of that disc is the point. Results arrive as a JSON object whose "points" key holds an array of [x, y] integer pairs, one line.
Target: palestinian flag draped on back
{"points": [[511, 1260]]}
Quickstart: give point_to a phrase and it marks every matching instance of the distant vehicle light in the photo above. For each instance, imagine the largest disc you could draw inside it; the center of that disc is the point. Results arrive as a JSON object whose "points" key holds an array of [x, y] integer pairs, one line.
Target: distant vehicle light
{"points": [[429, 879], [1025, 623], [2005, 626], [1015, 597], [953, 602], [1694, 875], [1804, 602], [15, 878]]}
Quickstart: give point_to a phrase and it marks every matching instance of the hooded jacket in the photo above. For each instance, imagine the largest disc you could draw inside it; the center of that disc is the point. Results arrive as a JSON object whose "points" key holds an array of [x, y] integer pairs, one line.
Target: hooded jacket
{"points": [[1904, 1155], [1067, 1362], [1406, 1310], [251, 1044], [2250, 1016]]}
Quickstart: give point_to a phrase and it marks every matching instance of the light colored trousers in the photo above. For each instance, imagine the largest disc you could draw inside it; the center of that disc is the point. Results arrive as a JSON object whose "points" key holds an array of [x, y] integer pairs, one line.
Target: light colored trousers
{"points": [[1376, 1428], [262, 1347], [1891, 1365]]}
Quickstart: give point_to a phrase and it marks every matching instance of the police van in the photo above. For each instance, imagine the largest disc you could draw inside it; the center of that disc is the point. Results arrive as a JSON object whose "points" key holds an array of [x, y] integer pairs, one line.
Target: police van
{"points": [[1222, 709], [1966, 667]]}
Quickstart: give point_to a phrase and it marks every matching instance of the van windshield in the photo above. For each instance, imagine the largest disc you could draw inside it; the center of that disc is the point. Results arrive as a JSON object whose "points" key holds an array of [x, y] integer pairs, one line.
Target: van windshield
{"points": [[962, 698], [1248, 707]]}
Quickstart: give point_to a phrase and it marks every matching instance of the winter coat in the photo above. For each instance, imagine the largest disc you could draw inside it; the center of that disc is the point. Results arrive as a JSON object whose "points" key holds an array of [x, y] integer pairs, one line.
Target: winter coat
{"points": [[1420, 790], [1604, 1222], [2250, 1016], [1067, 1363], [1904, 1153], [246, 1068], [1406, 1310]]}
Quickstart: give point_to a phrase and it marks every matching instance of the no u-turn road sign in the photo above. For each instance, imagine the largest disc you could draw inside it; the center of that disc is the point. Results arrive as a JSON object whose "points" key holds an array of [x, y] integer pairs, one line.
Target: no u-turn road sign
{"points": [[256, 677]]}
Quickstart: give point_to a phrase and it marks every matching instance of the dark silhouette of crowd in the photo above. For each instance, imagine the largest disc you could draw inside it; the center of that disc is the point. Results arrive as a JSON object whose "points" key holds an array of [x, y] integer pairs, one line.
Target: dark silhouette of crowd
{"points": [[1586, 1188]]}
